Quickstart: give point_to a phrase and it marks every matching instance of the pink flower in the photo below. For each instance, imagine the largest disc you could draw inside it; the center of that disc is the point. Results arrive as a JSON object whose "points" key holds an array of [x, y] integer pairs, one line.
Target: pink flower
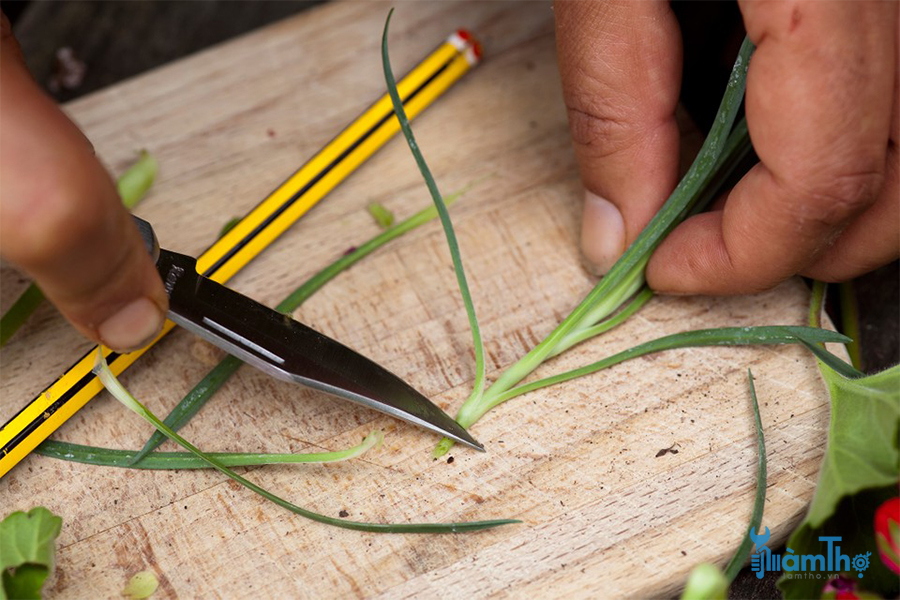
{"points": [[887, 533]]}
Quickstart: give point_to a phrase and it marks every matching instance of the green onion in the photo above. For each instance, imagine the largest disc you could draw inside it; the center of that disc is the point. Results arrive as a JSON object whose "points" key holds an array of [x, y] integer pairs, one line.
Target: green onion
{"points": [[109, 457], [231, 224], [740, 556], [722, 336], [706, 581], [721, 152], [109, 381], [132, 186], [478, 385], [137, 179]]}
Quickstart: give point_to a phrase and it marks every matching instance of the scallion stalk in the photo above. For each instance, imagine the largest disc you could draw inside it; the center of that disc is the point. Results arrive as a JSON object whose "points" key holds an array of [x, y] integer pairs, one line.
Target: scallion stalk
{"points": [[720, 153], [110, 457]]}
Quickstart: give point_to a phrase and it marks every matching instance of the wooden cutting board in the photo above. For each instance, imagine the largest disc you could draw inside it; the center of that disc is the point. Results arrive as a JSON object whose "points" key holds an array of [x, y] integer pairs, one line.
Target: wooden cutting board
{"points": [[603, 514]]}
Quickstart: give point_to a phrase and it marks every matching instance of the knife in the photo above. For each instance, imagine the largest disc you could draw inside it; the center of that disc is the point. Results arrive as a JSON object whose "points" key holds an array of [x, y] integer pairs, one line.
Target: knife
{"points": [[286, 349]]}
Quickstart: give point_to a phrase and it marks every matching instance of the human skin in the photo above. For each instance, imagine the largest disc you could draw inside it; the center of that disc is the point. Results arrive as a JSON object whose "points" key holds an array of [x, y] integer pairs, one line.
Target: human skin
{"points": [[61, 219], [822, 110]]}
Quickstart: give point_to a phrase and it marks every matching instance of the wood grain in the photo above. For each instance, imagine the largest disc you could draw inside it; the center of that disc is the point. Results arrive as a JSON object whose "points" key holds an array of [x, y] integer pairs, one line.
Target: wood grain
{"points": [[603, 515]]}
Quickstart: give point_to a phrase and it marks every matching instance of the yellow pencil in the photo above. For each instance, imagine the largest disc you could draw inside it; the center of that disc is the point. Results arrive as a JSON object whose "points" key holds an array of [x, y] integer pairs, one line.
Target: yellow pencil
{"points": [[259, 228]]}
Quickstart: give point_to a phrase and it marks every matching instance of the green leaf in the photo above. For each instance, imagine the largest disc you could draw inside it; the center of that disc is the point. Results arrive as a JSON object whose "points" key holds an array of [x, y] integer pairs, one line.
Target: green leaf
{"points": [[845, 369], [382, 216], [720, 336], [862, 450], [722, 150], [25, 582], [861, 454], [443, 213], [862, 447], [109, 381], [706, 582], [141, 585], [18, 313], [740, 556], [27, 551], [110, 457]]}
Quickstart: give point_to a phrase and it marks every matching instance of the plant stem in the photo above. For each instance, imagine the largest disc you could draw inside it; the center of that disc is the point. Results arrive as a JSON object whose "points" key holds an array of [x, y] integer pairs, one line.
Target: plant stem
{"points": [[109, 457], [400, 111], [850, 321], [723, 336], [740, 556], [627, 275], [816, 307], [620, 317]]}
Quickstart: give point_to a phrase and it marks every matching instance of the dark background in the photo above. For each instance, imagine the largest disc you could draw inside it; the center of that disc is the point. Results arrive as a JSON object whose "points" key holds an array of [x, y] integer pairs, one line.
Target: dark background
{"points": [[117, 40]]}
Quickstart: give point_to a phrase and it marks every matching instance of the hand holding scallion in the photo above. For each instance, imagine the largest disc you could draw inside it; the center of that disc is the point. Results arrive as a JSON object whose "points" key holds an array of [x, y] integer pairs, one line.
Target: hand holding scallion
{"points": [[822, 111]]}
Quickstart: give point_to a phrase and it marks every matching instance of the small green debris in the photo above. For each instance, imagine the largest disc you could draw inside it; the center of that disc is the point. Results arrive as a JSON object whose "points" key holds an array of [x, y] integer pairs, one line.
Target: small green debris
{"points": [[135, 182], [706, 582], [382, 216], [142, 585], [228, 226]]}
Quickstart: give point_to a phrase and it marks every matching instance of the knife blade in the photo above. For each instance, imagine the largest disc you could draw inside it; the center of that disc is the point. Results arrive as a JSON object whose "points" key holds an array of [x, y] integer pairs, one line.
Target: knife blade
{"points": [[287, 349]]}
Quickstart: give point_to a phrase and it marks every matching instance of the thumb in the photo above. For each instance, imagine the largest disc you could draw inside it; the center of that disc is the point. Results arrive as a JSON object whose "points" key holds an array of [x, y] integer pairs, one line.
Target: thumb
{"points": [[620, 64], [62, 221]]}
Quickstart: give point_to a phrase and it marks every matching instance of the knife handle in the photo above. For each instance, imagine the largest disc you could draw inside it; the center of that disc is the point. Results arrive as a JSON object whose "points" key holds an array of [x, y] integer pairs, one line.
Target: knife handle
{"points": [[149, 237]]}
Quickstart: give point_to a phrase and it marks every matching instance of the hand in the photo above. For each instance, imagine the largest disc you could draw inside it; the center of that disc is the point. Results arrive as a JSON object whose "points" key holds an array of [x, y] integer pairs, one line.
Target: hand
{"points": [[822, 110], [62, 221]]}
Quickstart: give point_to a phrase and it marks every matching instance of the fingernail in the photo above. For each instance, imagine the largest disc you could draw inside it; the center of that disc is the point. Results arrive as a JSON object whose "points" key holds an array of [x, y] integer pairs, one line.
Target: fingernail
{"points": [[133, 327], [602, 234]]}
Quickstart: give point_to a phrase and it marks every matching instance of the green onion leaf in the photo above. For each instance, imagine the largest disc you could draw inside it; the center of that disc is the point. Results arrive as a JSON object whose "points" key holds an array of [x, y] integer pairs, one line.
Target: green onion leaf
{"points": [[18, 313], [722, 336], [478, 385], [706, 581], [722, 151], [232, 222], [109, 457], [740, 556], [137, 179]]}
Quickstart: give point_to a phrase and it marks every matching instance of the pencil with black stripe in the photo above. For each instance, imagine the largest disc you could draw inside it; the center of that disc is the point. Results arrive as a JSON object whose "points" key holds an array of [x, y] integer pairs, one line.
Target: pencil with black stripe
{"points": [[253, 233]]}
